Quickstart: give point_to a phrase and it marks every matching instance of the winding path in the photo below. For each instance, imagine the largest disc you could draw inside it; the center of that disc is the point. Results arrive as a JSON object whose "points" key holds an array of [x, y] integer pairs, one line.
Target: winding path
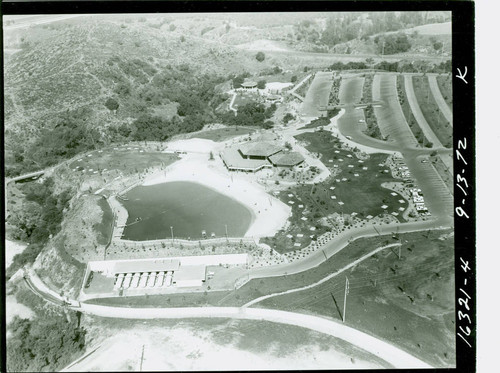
{"points": [[438, 96]]}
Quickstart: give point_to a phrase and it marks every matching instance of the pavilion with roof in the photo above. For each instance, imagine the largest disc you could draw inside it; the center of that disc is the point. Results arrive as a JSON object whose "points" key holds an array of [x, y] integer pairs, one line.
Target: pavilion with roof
{"points": [[255, 156]]}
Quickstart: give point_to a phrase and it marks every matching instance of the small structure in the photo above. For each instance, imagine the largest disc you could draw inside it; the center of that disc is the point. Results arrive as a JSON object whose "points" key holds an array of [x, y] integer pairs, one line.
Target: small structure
{"points": [[249, 85], [261, 150], [255, 156], [273, 98], [286, 159]]}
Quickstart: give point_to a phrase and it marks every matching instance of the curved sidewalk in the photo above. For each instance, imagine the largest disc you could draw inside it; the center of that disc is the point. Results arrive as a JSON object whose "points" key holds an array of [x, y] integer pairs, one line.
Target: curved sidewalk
{"points": [[438, 96], [389, 353]]}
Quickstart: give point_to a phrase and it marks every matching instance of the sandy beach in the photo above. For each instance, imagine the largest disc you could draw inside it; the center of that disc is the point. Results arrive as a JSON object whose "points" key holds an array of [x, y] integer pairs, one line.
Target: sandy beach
{"points": [[269, 213]]}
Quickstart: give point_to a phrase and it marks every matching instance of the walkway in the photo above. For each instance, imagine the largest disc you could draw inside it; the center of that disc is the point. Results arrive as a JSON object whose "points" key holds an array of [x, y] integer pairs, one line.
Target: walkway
{"points": [[443, 106]]}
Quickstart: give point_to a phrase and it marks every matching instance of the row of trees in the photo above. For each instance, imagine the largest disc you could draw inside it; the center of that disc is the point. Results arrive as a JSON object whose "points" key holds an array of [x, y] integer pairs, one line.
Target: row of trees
{"points": [[343, 27], [398, 66]]}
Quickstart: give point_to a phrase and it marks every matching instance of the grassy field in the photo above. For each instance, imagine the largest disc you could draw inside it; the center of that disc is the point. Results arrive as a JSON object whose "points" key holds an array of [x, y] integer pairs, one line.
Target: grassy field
{"points": [[410, 119], [335, 195], [245, 98], [430, 109], [409, 302], [369, 196], [223, 134], [444, 84], [129, 159]]}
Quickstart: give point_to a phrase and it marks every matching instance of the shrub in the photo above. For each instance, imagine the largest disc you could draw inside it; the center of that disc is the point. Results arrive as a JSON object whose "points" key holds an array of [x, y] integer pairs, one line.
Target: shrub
{"points": [[260, 56]]}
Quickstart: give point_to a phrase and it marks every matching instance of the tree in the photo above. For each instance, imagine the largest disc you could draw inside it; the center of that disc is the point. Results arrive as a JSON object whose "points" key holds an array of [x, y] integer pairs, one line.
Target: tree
{"points": [[437, 45], [261, 84], [293, 79], [111, 104], [288, 117], [260, 56]]}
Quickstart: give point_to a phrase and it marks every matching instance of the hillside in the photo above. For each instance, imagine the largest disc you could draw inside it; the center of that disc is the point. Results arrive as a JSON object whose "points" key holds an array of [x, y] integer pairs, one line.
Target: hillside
{"points": [[76, 83]]}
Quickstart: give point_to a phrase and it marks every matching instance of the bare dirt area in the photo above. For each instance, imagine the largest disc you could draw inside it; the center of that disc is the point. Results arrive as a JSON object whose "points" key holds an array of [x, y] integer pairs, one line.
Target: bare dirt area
{"points": [[217, 345], [80, 227]]}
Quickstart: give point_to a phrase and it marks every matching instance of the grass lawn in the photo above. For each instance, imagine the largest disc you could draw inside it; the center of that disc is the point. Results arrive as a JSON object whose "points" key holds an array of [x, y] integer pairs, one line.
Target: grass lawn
{"points": [[197, 299], [410, 119], [369, 196], [319, 201], [444, 84], [409, 302], [430, 109], [126, 158], [244, 98], [105, 228], [223, 134]]}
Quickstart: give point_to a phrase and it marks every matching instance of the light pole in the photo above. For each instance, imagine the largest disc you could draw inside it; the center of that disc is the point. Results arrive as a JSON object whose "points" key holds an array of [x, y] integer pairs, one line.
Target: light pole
{"points": [[172, 231], [226, 230]]}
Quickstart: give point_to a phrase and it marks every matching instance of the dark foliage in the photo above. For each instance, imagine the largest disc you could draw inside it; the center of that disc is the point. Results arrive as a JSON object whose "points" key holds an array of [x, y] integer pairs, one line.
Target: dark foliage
{"points": [[36, 226], [251, 114], [43, 344], [393, 43]]}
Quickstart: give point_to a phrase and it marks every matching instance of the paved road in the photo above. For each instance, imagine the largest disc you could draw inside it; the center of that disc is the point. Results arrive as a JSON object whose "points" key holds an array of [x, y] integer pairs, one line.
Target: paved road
{"points": [[438, 96], [417, 112], [422, 122], [386, 351], [317, 94], [349, 124], [340, 242], [392, 123]]}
